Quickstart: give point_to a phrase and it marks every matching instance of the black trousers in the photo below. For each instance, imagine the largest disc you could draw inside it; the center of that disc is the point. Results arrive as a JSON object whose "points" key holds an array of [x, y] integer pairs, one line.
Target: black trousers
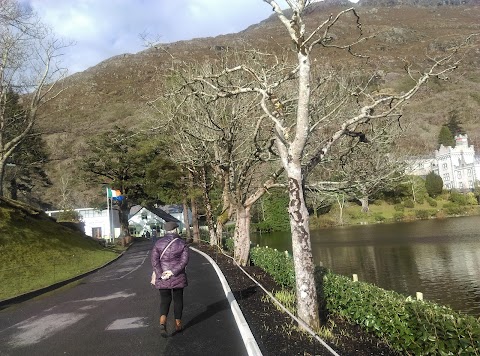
{"points": [[166, 300]]}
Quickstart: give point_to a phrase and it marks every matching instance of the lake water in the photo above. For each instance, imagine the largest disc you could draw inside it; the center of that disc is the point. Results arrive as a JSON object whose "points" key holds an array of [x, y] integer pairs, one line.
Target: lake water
{"points": [[440, 258]]}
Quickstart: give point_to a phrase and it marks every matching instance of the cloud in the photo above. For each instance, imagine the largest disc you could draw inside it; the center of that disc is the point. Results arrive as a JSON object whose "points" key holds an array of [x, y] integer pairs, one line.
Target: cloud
{"points": [[102, 29]]}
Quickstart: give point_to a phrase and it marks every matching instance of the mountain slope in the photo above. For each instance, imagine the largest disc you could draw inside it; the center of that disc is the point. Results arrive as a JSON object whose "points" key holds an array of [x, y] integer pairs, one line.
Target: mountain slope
{"points": [[115, 91]]}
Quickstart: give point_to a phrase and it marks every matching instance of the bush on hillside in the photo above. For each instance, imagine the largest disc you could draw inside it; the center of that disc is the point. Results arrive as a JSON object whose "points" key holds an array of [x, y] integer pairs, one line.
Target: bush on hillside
{"points": [[69, 216], [409, 203], [458, 198], [453, 209], [471, 199], [422, 214], [433, 184], [398, 216], [432, 202]]}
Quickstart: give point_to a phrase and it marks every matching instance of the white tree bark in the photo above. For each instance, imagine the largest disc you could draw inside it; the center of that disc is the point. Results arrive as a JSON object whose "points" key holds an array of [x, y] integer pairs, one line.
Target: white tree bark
{"points": [[242, 235]]}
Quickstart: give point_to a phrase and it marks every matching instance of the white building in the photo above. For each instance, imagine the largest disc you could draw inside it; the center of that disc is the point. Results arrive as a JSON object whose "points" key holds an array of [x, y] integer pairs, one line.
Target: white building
{"points": [[146, 219], [458, 166], [177, 212], [97, 223]]}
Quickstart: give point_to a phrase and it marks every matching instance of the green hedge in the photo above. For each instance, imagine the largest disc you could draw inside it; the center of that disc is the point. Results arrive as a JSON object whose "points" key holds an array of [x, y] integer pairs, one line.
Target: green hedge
{"points": [[409, 326], [415, 327], [278, 264]]}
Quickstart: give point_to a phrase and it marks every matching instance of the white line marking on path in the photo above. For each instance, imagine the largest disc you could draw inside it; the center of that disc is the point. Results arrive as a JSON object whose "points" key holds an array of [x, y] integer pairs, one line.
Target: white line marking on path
{"points": [[35, 331], [107, 297], [128, 323]]}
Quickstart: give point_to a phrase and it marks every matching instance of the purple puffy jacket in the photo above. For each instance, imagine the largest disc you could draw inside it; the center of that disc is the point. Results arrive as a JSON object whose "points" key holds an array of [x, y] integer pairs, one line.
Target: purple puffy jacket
{"points": [[174, 259]]}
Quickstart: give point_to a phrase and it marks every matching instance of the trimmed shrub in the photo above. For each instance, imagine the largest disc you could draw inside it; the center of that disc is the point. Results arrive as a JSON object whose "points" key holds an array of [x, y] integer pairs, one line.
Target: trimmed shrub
{"points": [[433, 184], [409, 203], [399, 207], [471, 199], [409, 326], [422, 214], [458, 198], [432, 202], [453, 209], [379, 217], [278, 264]]}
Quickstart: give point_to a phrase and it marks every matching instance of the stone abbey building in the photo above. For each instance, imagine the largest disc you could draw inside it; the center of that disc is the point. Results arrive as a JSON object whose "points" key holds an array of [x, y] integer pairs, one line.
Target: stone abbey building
{"points": [[458, 166]]}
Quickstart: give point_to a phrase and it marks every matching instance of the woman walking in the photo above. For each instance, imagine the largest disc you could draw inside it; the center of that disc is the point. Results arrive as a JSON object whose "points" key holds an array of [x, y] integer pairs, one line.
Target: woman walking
{"points": [[169, 259]]}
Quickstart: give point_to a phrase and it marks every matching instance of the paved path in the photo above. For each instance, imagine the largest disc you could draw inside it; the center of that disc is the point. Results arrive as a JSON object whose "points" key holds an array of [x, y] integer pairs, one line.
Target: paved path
{"points": [[114, 311]]}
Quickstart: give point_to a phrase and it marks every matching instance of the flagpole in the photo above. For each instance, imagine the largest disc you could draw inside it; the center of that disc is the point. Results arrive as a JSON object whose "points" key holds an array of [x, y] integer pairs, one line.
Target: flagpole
{"points": [[109, 223]]}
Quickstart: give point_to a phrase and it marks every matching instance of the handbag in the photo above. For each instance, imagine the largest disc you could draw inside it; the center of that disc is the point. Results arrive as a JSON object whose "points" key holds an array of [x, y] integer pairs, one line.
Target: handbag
{"points": [[153, 279]]}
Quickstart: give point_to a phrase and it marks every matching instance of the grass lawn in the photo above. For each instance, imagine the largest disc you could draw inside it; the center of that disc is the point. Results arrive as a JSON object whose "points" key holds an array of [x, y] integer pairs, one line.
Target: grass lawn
{"points": [[384, 212], [36, 252]]}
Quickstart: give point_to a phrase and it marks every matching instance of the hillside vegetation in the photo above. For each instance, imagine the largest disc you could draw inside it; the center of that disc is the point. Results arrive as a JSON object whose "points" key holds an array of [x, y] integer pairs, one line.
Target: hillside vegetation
{"points": [[36, 252], [116, 91]]}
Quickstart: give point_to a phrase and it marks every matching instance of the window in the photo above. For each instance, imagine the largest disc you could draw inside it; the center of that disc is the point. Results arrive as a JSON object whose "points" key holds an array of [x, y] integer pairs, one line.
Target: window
{"points": [[469, 172], [444, 166], [97, 232], [459, 175], [446, 176]]}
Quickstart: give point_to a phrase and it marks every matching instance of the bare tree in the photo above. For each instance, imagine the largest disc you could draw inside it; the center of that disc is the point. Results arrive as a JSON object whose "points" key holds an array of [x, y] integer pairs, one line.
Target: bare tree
{"points": [[226, 136], [29, 65], [366, 168], [298, 130]]}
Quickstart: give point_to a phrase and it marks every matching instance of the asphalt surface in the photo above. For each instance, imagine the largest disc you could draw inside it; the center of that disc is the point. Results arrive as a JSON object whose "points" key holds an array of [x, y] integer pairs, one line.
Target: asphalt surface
{"points": [[114, 311]]}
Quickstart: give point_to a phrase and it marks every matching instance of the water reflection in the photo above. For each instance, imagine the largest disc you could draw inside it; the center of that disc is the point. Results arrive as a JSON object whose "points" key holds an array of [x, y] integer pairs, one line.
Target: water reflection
{"points": [[440, 258]]}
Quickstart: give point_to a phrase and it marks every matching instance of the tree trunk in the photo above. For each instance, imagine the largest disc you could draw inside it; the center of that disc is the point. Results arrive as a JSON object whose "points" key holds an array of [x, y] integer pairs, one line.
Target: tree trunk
{"points": [[242, 235], [13, 189], [196, 228], [2, 175], [210, 219], [413, 190], [307, 304], [123, 217], [208, 208], [186, 220], [341, 205], [193, 202], [227, 210], [364, 201]]}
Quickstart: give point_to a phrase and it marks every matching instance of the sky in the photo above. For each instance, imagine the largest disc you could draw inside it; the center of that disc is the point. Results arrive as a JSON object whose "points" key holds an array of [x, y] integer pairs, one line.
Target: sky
{"points": [[102, 29]]}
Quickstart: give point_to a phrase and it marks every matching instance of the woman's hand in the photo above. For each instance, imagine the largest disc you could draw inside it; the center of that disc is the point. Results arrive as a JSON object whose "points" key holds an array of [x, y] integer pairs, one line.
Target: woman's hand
{"points": [[166, 274]]}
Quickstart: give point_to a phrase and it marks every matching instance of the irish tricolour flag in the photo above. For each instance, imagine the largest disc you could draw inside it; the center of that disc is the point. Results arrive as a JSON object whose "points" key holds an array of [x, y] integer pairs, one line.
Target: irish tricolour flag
{"points": [[113, 193]]}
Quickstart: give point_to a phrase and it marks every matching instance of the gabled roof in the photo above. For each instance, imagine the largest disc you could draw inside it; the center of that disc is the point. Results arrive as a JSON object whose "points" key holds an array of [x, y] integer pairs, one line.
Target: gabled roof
{"points": [[158, 212]]}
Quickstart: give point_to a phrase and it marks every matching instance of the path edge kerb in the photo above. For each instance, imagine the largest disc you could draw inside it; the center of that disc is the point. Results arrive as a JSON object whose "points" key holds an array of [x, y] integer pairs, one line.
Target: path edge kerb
{"points": [[247, 336]]}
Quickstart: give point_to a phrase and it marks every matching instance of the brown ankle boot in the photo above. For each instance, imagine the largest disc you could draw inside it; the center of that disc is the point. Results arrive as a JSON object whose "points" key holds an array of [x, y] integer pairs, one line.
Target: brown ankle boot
{"points": [[163, 326], [178, 325]]}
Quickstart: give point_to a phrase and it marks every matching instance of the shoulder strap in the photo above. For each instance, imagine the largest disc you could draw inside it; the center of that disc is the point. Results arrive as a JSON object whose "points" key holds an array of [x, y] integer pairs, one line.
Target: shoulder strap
{"points": [[165, 249]]}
